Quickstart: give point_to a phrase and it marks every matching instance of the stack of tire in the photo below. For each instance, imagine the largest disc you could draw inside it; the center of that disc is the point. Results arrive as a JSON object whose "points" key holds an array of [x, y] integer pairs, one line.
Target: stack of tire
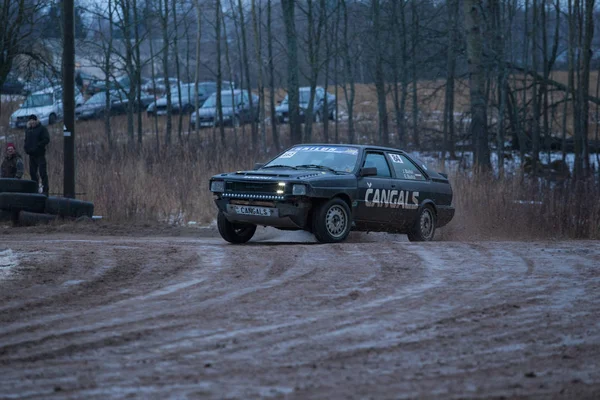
{"points": [[21, 203]]}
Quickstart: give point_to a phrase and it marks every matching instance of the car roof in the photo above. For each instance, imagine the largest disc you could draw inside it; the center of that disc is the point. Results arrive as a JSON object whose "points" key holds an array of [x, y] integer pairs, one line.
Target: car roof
{"points": [[48, 90], [359, 146]]}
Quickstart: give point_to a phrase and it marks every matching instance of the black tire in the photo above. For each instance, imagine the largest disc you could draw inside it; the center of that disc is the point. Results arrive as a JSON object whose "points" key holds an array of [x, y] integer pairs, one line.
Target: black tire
{"points": [[66, 207], [13, 185], [423, 229], [188, 109], [23, 202], [30, 219], [235, 121], [332, 221], [51, 119], [234, 233]]}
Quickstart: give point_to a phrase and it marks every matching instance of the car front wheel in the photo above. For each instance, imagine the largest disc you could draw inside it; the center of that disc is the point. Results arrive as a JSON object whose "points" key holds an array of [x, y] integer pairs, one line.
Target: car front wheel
{"points": [[424, 227], [332, 221], [232, 232]]}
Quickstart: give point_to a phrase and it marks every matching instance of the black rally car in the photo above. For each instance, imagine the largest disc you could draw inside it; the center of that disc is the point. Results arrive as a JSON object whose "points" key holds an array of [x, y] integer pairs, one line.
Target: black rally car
{"points": [[331, 189]]}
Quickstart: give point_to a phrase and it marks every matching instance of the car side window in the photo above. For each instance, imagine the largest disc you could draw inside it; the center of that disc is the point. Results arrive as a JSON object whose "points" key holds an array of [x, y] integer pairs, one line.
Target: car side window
{"points": [[405, 169], [378, 161]]}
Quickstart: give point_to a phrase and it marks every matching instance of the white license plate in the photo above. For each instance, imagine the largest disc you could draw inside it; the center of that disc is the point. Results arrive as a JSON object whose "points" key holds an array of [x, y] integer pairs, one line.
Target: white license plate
{"points": [[206, 124], [286, 119], [161, 112], [251, 210]]}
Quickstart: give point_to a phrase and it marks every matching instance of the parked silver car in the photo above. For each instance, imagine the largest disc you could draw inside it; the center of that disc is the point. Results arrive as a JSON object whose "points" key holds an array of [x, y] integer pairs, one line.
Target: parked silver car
{"points": [[47, 104]]}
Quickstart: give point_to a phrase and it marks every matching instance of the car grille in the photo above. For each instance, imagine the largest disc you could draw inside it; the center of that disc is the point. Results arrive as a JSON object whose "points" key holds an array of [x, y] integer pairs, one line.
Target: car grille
{"points": [[252, 187], [22, 119]]}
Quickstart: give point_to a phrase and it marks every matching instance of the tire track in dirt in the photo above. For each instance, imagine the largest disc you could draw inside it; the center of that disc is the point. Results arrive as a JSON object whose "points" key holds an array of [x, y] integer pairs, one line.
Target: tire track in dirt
{"points": [[200, 318]]}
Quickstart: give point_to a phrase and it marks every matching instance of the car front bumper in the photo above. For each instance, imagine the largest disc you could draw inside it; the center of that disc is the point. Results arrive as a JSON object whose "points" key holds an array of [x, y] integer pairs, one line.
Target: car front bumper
{"points": [[290, 214]]}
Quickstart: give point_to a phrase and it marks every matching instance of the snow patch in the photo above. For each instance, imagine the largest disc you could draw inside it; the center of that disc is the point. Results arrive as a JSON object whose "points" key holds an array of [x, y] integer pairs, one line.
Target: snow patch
{"points": [[8, 260]]}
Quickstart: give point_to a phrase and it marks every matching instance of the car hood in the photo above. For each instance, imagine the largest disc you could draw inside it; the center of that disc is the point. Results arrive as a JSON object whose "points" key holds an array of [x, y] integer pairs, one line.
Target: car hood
{"points": [[39, 111], [212, 111], [86, 107], [284, 107], [271, 174]]}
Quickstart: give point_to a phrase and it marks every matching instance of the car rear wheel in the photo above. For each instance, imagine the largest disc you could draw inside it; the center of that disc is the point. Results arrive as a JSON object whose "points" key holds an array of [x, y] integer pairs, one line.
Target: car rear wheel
{"points": [[51, 119], [318, 117], [235, 121], [233, 232], [332, 221], [424, 227]]}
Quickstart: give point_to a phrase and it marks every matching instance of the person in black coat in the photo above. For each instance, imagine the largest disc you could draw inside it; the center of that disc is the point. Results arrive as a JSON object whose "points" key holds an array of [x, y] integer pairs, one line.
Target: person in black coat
{"points": [[36, 140]]}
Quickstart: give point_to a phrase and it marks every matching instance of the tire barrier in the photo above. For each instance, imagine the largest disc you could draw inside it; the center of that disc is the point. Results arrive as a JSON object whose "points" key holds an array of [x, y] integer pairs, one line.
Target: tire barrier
{"points": [[12, 185]]}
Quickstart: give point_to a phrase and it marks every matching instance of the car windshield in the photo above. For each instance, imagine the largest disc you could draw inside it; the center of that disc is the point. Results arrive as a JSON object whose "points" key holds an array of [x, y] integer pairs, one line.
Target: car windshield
{"points": [[38, 100], [226, 101], [304, 97], [98, 98], [338, 158]]}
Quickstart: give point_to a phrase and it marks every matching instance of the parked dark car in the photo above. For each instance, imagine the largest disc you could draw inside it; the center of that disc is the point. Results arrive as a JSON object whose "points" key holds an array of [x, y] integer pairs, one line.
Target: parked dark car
{"points": [[331, 189], [158, 86], [282, 110], [12, 87], [235, 105], [121, 83], [188, 100], [95, 106]]}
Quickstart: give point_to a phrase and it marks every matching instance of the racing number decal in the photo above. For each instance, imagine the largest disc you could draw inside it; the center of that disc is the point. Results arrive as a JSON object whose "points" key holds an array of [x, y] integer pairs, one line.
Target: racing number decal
{"points": [[391, 199]]}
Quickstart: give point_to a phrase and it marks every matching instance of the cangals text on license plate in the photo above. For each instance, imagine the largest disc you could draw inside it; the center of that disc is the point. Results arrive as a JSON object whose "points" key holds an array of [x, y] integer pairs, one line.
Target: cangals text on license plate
{"points": [[250, 210]]}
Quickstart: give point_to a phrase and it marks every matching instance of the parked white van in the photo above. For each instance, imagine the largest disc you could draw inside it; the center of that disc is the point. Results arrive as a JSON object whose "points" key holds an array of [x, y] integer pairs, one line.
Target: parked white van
{"points": [[46, 104]]}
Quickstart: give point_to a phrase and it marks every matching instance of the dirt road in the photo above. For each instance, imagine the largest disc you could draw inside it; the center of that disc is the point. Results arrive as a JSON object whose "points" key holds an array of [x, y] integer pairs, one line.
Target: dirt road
{"points": [[87, 316]]}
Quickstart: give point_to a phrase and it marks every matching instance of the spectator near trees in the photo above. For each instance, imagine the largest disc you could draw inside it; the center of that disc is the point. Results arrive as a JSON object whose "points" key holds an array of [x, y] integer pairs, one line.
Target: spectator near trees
{"points": [[12, 164]]}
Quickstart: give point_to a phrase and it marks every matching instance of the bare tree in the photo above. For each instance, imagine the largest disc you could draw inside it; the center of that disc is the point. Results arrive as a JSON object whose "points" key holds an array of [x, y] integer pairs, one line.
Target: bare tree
{"points": [[478, 129], [292, 52]]}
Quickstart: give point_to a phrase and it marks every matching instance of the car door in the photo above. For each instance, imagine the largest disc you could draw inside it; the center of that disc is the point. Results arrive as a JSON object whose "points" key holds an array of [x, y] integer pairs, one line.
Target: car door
{"points": [[372, 207], [410, 185]]}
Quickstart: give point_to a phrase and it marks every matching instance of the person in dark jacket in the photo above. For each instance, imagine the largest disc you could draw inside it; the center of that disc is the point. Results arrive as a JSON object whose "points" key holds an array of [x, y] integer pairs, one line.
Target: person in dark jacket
{"points": [[36, 140], [12, 165]]}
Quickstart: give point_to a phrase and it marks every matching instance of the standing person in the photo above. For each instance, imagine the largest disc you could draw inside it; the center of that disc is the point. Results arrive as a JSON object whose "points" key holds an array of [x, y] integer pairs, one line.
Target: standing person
{"points": [[12, 165], [36, 140]]}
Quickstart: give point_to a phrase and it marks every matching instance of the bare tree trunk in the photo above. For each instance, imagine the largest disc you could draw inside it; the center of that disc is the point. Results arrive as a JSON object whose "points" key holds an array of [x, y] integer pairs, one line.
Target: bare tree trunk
{"points": [[177, 71], [219, 73], [274, 132], [450, 78], [535, 139], [261, 87], [477, 83], [349, 93], [247, 72], [138, 70], [379, 77], [314, 45], [415, 80], [292, 52], [165, 20], [585, 84], [107, 71], [197, 72], [155, 119]]}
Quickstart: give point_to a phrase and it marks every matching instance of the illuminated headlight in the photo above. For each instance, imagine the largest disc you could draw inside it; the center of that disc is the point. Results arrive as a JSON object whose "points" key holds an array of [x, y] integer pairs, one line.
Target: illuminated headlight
{"points": [[299, 190], [217, 186]]}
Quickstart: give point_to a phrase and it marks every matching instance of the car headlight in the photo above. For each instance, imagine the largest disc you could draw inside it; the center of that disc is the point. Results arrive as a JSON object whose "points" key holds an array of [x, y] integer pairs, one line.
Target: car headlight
{"points": [[217, 186], [299, 190]]}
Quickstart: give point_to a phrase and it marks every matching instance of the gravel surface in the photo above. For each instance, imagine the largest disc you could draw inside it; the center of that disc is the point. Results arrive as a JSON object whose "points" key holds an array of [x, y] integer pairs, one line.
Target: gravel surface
{"points": [[186, 316]]}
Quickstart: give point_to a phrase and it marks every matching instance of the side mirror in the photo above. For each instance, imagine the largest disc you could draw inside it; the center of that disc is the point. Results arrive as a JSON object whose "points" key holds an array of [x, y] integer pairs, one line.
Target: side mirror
{"points": [[258, 165], [368, 171]]}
